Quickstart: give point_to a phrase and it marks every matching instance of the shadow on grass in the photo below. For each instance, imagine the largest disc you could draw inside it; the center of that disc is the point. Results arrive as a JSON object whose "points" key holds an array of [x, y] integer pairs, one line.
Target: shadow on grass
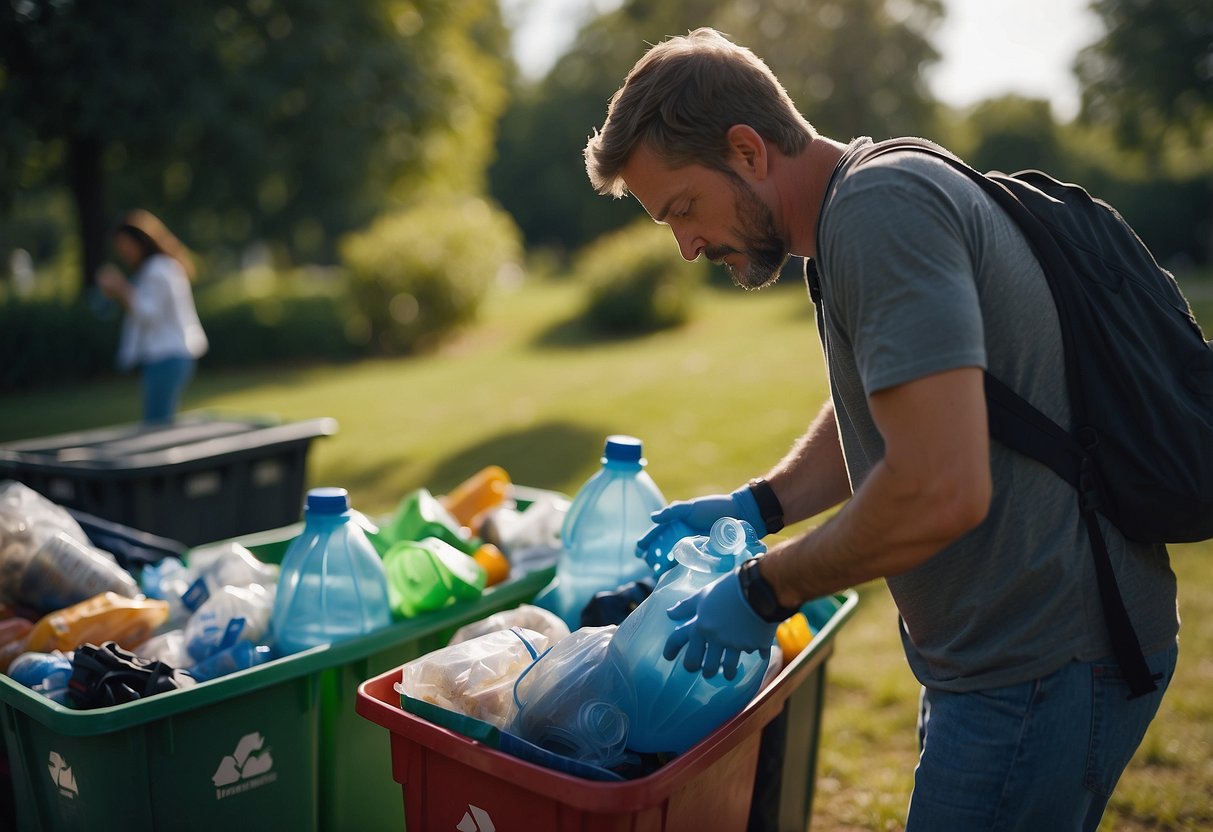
{"points": [[575, 334], [550, 455]]}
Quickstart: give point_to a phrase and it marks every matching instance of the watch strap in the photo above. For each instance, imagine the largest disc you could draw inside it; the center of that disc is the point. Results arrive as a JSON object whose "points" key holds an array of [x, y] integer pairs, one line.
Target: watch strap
{"points": [[760, 595], [768, 504]]}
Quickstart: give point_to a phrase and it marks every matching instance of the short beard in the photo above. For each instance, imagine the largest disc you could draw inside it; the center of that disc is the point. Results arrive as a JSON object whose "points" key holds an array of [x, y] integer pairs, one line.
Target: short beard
{"points": [[764, 250]]}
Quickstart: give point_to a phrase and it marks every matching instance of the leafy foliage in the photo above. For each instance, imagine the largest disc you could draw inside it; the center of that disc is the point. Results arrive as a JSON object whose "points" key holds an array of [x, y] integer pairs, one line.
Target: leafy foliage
{"points": [[637, 281], [1152, 70], [852, 67], [291, 121], [417, 274]]}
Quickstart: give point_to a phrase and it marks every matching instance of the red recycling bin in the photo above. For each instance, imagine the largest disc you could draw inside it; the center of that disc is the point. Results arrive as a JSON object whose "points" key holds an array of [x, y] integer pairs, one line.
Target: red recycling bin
{"points": [[451, 781]]}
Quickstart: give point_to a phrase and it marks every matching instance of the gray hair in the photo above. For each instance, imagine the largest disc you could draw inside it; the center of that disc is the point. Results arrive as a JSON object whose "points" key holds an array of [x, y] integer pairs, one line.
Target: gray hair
{"points": [[681, 98]]}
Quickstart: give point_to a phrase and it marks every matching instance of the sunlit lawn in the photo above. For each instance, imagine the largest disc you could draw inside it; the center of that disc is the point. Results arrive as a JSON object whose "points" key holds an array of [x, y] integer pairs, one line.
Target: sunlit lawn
{"points": [[715, 403]]}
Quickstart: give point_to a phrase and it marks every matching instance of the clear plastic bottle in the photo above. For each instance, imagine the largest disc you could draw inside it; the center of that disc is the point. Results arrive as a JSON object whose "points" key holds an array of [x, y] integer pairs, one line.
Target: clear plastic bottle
{"points": [[676, 708], [332, 585], [607, 517]]}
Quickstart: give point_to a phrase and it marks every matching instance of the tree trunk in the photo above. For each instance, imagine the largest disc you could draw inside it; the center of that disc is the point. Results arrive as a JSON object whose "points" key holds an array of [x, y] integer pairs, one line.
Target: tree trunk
{"points": [[87, 183]]}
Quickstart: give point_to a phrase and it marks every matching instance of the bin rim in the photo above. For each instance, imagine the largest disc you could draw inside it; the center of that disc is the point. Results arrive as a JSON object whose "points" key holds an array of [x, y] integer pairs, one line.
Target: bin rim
{"points": [[96, 721], [264, 434], [641, 792]]}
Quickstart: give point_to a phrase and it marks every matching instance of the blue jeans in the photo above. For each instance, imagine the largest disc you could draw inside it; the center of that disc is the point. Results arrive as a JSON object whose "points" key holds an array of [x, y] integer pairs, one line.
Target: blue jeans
{"points": [[163, 383], [1038, 756]]}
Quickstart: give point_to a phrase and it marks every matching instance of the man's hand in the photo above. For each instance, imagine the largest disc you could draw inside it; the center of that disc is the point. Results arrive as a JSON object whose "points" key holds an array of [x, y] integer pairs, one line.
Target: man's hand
{"points": [[695, 517], [719, 626]]}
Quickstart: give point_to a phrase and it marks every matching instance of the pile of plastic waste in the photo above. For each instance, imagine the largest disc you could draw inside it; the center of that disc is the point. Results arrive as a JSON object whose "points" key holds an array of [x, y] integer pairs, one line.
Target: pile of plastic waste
{"points": [[88, 627]]}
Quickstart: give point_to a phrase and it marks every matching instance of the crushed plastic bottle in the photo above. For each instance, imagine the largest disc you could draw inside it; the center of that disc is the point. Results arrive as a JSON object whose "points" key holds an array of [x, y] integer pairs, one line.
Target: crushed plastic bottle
{"points": [[674, 707], [429, 574], [62, 571], [608, 516], [418, 516], [332, 585]]}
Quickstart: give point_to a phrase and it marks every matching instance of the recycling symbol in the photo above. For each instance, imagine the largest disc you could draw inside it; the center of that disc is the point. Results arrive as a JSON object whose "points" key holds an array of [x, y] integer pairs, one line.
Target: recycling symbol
{"points": [[476, 819]]}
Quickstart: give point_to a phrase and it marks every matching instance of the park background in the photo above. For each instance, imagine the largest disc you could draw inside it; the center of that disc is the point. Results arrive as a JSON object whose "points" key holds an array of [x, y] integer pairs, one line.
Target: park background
{"points": [[393, 227]]}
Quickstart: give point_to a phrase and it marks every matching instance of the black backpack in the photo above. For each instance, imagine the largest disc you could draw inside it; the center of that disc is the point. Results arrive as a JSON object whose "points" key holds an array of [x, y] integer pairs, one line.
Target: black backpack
{"points": [[1139, 375]]}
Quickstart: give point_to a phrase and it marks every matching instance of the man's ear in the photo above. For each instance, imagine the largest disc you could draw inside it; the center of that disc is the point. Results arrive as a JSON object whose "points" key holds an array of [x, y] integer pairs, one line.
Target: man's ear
{"points": [[748, 151]]}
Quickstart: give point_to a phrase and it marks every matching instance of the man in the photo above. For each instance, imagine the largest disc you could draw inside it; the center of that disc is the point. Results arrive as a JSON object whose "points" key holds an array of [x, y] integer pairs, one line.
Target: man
{"points": [[1025, 720]]}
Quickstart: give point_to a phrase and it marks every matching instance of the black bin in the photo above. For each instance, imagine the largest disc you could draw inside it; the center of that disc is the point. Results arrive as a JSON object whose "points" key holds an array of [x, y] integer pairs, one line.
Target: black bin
{"points": [[199, 479]]}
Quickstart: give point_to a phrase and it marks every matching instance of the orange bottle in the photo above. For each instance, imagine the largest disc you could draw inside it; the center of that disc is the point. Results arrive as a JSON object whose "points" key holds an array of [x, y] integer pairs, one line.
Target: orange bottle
{"points": [[478, 494], [105, 617], [793, 635], [495, 564]]}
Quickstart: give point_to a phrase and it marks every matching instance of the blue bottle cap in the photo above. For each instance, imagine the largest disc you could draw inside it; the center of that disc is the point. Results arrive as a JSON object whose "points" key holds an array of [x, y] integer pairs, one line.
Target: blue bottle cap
{"points": [[620, 448], [328, 500]]}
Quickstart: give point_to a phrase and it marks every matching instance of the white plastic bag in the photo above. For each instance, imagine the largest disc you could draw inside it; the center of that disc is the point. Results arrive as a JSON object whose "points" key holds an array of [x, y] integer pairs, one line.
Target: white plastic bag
{"points": [[475, 677], [526, 616]]}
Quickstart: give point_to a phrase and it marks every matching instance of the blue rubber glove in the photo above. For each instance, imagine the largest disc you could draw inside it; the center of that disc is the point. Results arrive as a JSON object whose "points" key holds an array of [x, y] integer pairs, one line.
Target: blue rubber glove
{"points": [[719, 626], [694, 517]]}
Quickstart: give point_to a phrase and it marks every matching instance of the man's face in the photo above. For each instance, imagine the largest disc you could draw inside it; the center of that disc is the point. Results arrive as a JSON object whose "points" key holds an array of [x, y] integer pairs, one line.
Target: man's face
{"points": [[710, 212]]}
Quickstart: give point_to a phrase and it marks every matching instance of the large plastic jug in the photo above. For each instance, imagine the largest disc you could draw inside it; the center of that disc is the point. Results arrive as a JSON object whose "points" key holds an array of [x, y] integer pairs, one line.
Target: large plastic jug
{"points": [[331, 586], [675, 708], [606, 518]]}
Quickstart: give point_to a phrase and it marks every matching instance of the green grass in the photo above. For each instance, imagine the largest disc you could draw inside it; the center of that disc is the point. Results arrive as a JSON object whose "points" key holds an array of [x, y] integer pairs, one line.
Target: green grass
{"points": [[715, 402]]}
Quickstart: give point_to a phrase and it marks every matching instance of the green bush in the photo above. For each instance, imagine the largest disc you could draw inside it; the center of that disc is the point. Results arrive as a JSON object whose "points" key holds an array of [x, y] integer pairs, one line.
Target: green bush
{"points": [[261, 315], [637, 280], [47, 342], [418, 274]]}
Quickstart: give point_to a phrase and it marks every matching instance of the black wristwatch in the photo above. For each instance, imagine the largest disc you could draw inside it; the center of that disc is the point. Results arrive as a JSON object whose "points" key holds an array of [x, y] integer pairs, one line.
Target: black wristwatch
{"points": [[761, 595], [768, 504]]}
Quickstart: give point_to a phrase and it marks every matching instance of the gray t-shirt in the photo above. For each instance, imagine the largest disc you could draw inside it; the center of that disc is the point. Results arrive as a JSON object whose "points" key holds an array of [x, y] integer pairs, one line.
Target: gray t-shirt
{"points": [[921, 272]]}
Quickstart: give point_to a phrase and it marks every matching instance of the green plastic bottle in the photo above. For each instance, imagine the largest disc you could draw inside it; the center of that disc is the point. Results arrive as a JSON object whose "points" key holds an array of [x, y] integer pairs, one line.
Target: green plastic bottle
{"points": [[420, 515], [428, 574]]}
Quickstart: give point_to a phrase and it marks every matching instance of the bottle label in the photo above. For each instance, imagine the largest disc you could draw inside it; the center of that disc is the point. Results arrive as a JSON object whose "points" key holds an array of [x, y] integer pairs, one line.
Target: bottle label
{"points": [[196, 595], [232, 634]]}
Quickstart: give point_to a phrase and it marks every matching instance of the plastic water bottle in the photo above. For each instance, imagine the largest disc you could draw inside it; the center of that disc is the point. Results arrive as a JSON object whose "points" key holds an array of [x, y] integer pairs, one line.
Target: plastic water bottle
{"points": [[606, 518], [331, 586], [674, 707]]}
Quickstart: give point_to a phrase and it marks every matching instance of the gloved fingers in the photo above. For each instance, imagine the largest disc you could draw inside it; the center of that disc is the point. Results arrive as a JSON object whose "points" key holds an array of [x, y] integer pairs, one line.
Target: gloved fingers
{"points": [[729, 663], [649, 538], [676, 641], [692, 659], [685, 608], [711, 659], [674, 511]]}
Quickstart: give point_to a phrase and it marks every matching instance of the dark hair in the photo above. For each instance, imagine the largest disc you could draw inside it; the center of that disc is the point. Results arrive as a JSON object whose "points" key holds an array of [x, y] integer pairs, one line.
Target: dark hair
{"points": [[153, 237], [681, 98]]}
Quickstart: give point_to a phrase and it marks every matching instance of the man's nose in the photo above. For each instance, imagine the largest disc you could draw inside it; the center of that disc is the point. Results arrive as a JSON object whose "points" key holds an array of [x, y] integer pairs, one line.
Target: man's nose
{"points": [[689, 245]]}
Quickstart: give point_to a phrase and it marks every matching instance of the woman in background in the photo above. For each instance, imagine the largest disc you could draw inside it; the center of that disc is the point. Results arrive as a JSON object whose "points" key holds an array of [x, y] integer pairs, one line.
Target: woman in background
{"points": [[160, 332]]}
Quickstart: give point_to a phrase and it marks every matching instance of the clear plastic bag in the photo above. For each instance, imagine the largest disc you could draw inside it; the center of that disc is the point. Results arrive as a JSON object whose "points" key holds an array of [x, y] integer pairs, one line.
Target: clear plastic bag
{"points": [[474, 677], [46, 560], [574, 700], [526, 616], [187, 588], [229, 615]]}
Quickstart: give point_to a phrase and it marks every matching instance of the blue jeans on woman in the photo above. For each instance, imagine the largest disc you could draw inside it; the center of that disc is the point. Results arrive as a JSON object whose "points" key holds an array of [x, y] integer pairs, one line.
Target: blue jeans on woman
{"points": [[163, 383], [1039, 756]]}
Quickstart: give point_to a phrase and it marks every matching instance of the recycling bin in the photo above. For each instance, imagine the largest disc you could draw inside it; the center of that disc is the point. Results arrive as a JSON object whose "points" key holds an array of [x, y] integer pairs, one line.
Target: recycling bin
{"points": [[201, 478], [278, 746], [452, 781]]}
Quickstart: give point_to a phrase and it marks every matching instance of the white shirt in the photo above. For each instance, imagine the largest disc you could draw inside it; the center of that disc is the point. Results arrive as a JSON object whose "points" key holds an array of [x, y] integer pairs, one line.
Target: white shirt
{"points": [[162, 321]]}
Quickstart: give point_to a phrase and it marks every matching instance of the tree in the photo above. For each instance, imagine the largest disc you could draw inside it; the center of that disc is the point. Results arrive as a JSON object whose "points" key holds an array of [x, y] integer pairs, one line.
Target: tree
{"points": [[1152, 72], [853, 67], [291, 121]]}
